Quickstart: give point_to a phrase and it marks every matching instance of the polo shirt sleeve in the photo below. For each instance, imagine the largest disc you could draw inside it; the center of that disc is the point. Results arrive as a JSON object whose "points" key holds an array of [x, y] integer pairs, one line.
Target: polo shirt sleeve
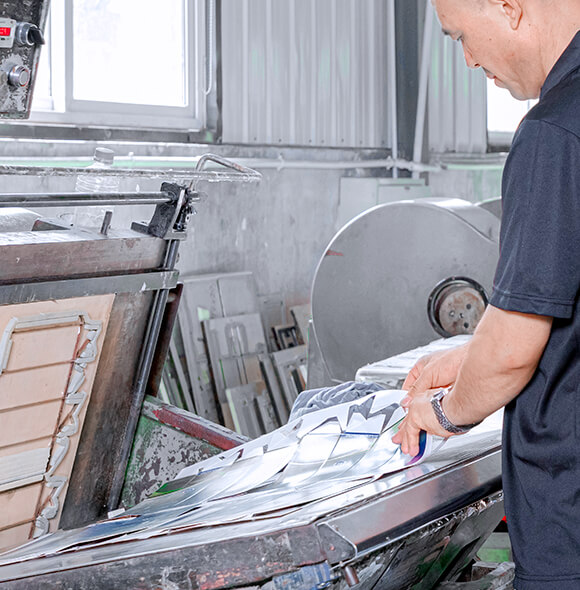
{"points": [[539, 264]]}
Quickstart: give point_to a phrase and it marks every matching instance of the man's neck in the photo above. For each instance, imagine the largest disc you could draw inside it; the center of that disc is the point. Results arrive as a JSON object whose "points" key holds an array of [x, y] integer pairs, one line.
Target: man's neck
{"points": [[559, 21]]}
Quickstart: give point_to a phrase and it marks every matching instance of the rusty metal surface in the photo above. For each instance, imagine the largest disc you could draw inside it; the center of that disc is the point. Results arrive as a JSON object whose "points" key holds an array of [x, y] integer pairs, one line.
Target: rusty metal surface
{"points": [[159, 453], [195, 426], [456, 305], [204, 567], [424, 556], [461, 311], [163, 343], [108, 411], [53, 254]]}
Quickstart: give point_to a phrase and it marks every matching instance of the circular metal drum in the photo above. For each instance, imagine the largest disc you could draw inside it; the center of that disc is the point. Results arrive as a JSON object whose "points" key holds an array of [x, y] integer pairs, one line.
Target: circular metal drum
{"points": [[373, 285]]}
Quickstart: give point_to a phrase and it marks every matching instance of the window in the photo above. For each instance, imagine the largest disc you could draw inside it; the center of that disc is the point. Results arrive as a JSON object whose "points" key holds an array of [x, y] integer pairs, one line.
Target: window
{"points": [[123, 64], [504, 114]]}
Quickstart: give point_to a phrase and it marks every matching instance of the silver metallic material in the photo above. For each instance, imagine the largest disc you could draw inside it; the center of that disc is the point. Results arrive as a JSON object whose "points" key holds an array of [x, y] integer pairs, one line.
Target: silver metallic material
{"points": [[15, 219], [373, 282], [325, 468], [28, 34], [19, 76], [391, 373], [437, 405], [80, 199], [233, 173], [319, 69]]}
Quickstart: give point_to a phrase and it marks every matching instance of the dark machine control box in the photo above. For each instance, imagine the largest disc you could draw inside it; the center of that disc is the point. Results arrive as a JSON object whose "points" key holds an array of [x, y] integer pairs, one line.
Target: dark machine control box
{"points": [[22, 24]]}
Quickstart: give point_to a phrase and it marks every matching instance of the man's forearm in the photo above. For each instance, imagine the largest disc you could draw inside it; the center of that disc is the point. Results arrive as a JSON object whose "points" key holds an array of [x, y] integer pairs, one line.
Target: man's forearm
{"points": [[501, 359]]}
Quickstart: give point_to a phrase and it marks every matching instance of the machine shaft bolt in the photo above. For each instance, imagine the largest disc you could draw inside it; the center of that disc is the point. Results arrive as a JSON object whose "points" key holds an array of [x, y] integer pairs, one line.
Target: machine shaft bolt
{"points": [[19, 76]]}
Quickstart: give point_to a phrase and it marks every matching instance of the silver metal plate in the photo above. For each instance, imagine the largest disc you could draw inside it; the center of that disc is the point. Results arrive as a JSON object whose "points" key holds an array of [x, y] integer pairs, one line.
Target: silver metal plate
{"points": [[370, 292]]}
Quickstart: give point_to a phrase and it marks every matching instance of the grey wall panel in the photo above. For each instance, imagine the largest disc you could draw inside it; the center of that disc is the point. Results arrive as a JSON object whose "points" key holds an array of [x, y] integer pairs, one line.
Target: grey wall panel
{"points": [[299, 72], [457, 101]]}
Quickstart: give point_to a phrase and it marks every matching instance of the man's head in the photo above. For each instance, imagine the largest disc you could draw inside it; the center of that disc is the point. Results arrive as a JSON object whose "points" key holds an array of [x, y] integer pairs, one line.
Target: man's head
{"points": [[516, 42]]}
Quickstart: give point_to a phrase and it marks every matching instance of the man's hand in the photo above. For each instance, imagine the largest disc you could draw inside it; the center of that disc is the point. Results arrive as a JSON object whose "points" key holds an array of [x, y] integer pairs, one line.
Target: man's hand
{"points": [[419, 417], [486, 374], [433, 371]]}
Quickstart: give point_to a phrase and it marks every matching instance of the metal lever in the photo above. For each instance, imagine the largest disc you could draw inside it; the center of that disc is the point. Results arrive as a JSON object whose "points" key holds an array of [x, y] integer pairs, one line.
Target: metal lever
{"points": [[28, 34], [223, 162]]}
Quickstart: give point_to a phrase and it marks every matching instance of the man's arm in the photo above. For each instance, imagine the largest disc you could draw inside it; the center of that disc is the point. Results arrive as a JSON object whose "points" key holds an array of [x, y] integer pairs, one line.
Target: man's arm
{"points": [[499, 361]]}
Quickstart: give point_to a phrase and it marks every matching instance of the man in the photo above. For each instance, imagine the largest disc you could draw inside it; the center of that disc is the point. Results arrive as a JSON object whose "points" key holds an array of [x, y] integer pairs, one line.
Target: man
{"points": [[525, 353]]}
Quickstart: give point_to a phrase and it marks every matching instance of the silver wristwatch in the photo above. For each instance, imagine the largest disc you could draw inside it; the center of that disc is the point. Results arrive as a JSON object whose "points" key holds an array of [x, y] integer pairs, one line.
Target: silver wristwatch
{"points": [[442, 418]]}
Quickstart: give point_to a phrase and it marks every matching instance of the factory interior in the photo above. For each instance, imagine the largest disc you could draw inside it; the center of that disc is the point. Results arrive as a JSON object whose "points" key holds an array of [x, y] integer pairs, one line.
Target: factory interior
{"points": [[208, 208]]}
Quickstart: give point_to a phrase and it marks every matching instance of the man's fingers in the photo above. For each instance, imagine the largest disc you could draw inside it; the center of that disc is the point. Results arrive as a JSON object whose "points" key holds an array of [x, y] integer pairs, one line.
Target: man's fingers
{"points": [[435, 370], [408, 437], [415, 372], [426, 380], [411, 443]]}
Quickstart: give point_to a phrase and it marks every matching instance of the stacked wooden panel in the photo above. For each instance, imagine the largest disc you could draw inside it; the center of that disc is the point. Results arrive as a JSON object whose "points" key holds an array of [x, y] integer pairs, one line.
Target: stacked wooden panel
{"points": [[49, 353]]}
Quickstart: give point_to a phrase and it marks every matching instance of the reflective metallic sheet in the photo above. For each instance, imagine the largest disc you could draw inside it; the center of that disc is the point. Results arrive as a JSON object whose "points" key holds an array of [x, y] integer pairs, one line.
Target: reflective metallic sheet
{"points": [[313, 466]]}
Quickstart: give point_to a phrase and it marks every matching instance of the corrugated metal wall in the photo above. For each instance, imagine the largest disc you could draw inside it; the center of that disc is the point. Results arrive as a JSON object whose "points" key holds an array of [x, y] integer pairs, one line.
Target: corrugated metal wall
{"points": [[305, 72], [457, 101]]}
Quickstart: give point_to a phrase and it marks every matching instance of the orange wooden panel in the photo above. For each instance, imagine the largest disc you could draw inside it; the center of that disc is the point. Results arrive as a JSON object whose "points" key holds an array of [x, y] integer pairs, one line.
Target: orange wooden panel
{"points": [[19, 505], [33, 385], [15, 536], [28, 423], [43, 346]]}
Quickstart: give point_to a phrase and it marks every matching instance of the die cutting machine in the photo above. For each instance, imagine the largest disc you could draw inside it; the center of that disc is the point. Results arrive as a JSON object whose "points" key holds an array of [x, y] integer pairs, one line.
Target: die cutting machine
{"points": [[326, 501]]}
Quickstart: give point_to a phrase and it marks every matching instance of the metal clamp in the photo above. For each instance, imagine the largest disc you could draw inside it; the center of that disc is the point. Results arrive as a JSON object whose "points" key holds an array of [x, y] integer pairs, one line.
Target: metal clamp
{"points": [[170, 219]]}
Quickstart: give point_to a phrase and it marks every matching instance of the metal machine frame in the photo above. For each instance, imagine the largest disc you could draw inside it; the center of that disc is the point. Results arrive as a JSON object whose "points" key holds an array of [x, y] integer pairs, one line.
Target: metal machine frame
{"points": [[139, 266]]}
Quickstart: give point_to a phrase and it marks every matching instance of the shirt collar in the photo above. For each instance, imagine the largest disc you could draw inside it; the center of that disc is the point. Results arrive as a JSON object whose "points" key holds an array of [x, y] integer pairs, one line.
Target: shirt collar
{"points": [[566, 64]]}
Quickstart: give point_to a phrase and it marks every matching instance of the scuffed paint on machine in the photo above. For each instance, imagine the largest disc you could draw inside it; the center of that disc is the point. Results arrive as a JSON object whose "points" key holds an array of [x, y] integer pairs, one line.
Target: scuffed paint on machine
{"points": [[159, 453]]}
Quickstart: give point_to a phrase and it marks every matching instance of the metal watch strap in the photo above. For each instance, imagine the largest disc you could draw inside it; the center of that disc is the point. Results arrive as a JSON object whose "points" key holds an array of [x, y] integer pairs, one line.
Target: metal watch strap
{"points": [[442, 418]]}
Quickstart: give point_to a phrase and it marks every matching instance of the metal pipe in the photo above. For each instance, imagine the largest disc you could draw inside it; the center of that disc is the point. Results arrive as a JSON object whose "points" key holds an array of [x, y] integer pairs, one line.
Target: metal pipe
{"points": [[423, 84], [235, 175], [76, 199], [387, 163], [392, 80], [279, 163], [142, 378]]}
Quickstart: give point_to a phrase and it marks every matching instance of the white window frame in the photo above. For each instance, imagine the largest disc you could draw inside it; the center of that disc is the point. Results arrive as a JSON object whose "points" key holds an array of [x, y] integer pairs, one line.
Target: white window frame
{"points": [[67, 110]]}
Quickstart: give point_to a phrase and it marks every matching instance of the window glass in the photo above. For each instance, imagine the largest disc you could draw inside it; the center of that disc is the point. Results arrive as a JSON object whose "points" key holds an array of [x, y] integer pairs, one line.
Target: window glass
{"points": [[504, 112], [42, 95], [132, 51]]}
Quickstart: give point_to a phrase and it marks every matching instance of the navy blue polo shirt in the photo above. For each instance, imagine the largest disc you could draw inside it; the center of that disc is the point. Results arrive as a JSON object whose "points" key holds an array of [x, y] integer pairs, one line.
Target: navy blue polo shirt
{"points": [[539, 273]]}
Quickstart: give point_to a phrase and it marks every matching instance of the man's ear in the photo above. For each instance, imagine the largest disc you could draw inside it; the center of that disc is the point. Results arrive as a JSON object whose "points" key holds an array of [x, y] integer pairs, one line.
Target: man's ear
{"points": [[512, 10]]}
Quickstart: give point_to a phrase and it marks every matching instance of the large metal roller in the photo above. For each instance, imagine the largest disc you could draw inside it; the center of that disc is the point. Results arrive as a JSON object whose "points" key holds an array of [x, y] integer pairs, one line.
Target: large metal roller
{"points": [[397, 275]]}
